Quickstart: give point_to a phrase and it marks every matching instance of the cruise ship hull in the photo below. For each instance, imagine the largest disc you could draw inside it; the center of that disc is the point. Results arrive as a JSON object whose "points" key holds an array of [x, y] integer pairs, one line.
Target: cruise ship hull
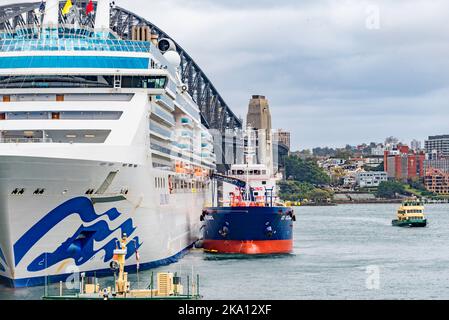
{"points": [[46, 236], [248, 230], [99, 137]]}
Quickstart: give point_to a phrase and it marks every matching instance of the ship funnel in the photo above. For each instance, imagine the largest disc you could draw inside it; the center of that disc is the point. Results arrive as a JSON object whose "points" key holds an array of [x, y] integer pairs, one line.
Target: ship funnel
{"points": [[102, 18], [51, 17], [154, 38]]}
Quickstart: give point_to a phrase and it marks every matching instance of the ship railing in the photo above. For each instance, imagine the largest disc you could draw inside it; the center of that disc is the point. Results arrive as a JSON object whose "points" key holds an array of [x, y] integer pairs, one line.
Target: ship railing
{"points": [[29, 31], [26, 140]]}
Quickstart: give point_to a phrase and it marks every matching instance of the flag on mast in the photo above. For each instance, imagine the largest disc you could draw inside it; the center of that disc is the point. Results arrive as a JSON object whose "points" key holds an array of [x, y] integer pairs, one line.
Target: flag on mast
{"points": [[90, 7], [42, 6], [68, 5]]}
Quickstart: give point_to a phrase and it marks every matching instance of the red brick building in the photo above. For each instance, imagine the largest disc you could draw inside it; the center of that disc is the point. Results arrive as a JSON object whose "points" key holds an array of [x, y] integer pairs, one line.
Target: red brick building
{"points": [[437, 181], [403, 163]]}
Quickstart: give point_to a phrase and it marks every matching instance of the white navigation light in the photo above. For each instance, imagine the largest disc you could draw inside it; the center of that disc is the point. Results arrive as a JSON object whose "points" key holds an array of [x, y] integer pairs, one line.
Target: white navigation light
{"points": [[173, 58], [51, 13], [184, 87], [102, 18]]}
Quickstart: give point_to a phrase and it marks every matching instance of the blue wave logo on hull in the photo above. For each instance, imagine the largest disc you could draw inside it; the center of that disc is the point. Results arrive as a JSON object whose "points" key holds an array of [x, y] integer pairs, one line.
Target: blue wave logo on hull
{"points": [[79, 246], [2, 260]]}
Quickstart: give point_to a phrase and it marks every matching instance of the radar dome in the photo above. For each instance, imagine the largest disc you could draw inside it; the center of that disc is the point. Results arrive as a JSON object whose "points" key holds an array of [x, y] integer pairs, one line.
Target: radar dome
{"points": [[173, 58]]}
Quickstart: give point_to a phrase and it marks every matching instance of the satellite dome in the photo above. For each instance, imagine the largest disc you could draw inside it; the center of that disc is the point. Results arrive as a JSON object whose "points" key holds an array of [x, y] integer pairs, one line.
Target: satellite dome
{"points": [[173, 58]]}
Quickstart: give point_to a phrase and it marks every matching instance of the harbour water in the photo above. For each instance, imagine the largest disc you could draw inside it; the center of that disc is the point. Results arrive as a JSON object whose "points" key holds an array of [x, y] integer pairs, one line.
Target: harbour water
{"points": [[342, 252]]}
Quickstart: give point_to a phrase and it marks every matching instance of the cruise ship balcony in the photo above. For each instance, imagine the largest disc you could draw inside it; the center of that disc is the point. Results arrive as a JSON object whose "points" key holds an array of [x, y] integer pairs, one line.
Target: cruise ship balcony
{"points": [[165, 102], [163, 115], [54, 136]]}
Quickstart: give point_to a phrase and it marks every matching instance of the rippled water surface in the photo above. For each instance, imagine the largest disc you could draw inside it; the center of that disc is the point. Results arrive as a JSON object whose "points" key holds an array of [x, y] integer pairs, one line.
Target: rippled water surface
{"points": [[337, 253]]}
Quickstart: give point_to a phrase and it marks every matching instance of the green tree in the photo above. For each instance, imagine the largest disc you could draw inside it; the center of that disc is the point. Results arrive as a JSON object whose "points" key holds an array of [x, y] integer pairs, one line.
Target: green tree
{"points": [[305, 171], [390, 189], [294, 190], [320, 195], [417, 184], [299, 191], [343, 154], [323, 152]]}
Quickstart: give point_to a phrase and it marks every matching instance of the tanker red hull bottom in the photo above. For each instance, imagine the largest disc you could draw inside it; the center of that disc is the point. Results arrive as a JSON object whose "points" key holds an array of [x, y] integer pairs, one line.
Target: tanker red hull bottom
{"points": [[249, 246]]}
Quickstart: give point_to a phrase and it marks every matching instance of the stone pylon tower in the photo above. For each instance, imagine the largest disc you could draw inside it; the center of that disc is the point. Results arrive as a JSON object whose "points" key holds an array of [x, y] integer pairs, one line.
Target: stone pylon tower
{"points": [[259, 119], [259, 116]]}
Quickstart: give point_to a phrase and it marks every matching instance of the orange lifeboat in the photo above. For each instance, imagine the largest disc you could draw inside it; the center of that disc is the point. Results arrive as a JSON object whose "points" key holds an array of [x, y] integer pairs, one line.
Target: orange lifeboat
{"points": [[180, 168], [198, 172]]}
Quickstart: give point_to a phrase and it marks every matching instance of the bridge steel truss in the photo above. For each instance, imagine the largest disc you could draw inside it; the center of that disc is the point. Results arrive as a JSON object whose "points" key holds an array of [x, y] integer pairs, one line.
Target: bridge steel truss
{"points": [[215, 113]]}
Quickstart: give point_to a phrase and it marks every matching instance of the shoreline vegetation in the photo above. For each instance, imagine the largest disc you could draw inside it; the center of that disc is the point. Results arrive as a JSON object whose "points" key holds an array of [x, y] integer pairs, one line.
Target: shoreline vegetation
{"points": [[310, 185]]}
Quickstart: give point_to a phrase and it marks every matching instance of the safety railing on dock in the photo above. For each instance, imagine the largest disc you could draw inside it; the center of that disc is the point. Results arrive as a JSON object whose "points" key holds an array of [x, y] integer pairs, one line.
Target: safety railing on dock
{"points": [[26, 140]]}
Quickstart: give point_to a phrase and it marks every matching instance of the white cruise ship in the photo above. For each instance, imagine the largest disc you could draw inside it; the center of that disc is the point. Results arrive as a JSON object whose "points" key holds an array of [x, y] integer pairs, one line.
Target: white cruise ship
{"points": [[98, 138]]}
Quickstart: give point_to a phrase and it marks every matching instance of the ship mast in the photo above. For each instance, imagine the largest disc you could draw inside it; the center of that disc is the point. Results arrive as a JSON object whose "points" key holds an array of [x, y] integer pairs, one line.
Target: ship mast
{"points": [[102, 18], [249, 159], [50, 21]]}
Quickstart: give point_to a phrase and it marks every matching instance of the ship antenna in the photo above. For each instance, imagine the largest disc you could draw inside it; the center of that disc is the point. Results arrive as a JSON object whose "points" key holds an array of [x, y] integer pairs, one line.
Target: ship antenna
{"points": [[248, 144]]}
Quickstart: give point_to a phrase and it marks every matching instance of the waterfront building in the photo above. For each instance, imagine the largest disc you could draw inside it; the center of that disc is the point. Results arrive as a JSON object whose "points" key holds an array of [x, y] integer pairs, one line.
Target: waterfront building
{"points": [[440, 164], [349, 180], [358, 162], [437, 181], [373, 161], [402, 163], [378, 150], [370, 178], [437, 146], [330, 163]]}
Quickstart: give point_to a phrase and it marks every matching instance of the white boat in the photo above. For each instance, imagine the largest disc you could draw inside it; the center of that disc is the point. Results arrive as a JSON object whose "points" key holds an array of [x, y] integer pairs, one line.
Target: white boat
{"points": [[98, 138]]}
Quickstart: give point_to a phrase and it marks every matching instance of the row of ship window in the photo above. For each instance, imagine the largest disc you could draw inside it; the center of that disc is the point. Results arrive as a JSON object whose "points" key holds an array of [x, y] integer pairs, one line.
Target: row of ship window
{"points": [[74, 44], [41, 191], [250, 172], [410, 211], [203, 155], [81, 81], [63, 115], [178, 184]]}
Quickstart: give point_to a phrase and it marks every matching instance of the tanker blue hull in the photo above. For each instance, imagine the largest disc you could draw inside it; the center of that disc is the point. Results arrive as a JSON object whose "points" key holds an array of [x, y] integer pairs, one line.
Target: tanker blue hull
{"points": [[248, 230]]}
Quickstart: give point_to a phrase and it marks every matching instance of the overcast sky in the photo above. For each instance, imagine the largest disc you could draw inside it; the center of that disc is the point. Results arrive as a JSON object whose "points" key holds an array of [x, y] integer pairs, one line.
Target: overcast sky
{"points": [[335, 71]]}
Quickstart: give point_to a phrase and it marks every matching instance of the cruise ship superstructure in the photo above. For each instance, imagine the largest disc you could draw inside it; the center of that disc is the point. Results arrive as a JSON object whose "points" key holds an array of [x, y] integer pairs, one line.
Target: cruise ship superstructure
{"points": [[98, 138]]}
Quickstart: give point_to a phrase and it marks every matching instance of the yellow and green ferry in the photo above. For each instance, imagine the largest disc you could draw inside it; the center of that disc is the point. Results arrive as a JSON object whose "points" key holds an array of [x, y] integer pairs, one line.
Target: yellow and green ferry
{"points": [[410, 214]]}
